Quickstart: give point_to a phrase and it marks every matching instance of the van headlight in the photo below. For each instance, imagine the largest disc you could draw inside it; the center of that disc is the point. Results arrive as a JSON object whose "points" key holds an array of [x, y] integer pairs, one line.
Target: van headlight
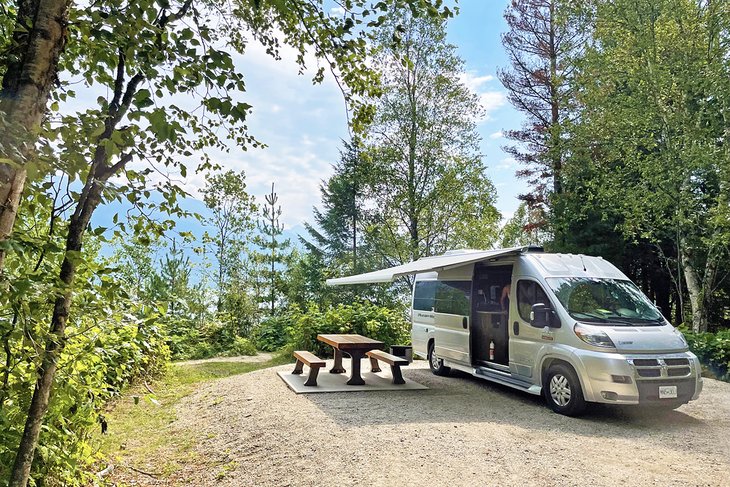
{"points": [[593, 336]]}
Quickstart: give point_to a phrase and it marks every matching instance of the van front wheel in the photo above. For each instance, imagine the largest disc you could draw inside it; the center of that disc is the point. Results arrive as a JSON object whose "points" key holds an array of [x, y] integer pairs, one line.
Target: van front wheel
{"points": [[562, 391], [436, 364]]}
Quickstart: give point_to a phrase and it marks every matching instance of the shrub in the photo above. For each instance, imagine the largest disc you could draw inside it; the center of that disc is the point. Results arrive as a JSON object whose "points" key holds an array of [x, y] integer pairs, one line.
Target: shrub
{"points": [[387, 325], [101, 357], [272, 334], [243, 346], [713, 350]]}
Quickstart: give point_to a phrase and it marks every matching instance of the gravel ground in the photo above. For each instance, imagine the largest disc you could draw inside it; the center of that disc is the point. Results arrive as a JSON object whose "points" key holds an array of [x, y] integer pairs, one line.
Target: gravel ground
{"points": [[462, 431]]}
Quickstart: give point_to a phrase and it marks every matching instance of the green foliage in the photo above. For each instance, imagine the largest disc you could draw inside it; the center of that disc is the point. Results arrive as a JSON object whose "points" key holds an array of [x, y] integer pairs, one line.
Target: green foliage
{"points": [[242, 346], [137, 60], [655, 97], [523, 228], [102, 357], [232, 211], [713, 350], [270, 261], [112, 340], [426, 183], [385, 324], [272, 333]]}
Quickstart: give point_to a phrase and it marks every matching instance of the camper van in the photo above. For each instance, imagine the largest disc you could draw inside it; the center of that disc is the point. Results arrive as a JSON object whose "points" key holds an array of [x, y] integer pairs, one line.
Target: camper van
{"points": [[572, 328]]}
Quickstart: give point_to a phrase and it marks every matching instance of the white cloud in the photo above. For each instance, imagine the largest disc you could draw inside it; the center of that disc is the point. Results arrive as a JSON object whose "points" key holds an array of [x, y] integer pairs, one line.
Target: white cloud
{"points": [[473, 81], [507, 163], [489, 98], [301, 125], [337, 11], [295, 165], [491, 101], [496, 135]]}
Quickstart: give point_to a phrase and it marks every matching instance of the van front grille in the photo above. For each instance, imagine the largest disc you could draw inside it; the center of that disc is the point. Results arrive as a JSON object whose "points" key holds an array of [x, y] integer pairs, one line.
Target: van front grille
{"points": [[657, 368]]}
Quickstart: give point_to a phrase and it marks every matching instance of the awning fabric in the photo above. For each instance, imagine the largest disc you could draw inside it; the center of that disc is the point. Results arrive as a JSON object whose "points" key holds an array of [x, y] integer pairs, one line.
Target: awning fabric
{"points": [[427, 264]]}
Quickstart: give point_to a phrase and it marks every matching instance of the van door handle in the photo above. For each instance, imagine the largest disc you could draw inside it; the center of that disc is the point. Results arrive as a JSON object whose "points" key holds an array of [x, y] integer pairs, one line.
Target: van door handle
{"points": [[516, 327], [465, 322]]}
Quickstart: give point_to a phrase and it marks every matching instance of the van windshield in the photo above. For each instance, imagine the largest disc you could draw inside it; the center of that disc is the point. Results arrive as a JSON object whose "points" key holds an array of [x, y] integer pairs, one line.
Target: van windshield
{"points": [[609, 301]]}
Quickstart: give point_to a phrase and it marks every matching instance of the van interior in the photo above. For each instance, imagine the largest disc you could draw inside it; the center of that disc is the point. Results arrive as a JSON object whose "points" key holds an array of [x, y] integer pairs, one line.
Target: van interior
{"points": [[490, 314]]}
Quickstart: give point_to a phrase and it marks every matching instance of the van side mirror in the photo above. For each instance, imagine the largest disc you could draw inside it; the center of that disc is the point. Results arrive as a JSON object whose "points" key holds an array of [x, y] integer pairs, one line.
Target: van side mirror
{"points": [[543, 315]]}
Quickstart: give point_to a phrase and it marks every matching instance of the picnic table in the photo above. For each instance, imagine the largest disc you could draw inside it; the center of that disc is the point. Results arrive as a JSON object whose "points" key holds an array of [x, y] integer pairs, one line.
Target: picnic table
{"points": [[356, 346]]}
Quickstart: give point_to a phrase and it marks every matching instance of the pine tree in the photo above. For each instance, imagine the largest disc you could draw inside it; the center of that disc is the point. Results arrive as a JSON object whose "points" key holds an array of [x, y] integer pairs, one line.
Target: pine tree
{"points": [[275, 251], [337, 236], [544, 39]]}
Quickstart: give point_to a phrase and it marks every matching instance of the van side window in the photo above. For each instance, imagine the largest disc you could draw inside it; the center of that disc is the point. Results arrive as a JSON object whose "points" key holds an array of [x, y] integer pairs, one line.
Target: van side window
{"points": [[453, 297], [424, 295], [529, 293]]}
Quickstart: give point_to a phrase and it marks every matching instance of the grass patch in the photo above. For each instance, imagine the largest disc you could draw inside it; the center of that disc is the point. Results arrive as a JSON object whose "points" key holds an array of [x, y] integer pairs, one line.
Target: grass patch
{"points": [[141, 439]]}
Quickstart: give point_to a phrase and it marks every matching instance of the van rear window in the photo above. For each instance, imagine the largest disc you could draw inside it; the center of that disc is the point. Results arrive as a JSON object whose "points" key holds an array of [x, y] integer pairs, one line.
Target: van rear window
{"points": [[424, 295]]}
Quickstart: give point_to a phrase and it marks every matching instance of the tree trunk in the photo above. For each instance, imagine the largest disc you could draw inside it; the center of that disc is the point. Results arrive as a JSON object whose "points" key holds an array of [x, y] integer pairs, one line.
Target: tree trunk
{"points": [[38, 39], [694, 288], [88, 201], [556, 153]]}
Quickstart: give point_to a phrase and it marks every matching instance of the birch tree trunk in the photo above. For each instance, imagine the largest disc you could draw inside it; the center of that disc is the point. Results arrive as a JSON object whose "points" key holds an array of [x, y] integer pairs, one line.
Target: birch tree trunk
{"points": [[695, 289], [38, 39]]}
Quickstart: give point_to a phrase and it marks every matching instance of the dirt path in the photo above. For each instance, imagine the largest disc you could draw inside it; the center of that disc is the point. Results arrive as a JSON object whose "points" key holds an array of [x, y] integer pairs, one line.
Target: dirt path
{"points": [[463, 431], [261, 357]]}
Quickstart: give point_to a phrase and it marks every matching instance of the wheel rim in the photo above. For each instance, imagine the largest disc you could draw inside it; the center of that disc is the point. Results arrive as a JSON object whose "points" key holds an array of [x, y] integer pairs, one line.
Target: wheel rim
{"points": [[434, 361], [560, 389]]}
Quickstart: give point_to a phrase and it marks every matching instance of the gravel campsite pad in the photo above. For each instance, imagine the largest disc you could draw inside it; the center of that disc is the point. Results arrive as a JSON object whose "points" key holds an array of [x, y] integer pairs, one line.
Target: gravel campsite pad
{"points": [[253, 431]]}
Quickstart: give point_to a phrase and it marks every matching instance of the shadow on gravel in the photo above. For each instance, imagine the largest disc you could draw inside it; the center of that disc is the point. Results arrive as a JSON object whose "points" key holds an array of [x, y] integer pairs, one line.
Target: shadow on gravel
{"points": [[463, 399]]}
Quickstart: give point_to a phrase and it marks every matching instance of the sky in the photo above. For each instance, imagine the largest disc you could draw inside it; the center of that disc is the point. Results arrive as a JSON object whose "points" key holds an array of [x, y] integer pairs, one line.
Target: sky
{"points": [[303, 125]]}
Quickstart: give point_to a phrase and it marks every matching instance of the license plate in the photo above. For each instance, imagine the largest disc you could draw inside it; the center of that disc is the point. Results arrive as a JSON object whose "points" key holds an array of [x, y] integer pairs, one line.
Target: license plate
{"points": [[667, 392]]}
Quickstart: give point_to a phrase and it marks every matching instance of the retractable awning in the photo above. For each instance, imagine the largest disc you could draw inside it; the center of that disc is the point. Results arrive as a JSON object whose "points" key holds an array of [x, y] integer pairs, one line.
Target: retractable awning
{"points": [[427, 264]]}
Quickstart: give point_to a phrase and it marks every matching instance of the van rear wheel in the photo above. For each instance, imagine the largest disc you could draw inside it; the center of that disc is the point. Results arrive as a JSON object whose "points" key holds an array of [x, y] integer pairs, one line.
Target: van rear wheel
{"points": [[562, 391], [436, 364]]}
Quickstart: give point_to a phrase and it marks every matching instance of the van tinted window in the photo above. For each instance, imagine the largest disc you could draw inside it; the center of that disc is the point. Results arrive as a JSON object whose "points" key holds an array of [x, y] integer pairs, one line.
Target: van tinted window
{"points": [[529, 293], [424, 295], [453, 297]]}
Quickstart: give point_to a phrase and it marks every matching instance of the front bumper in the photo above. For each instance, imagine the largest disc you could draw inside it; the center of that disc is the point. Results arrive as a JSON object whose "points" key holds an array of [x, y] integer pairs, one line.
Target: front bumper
{"points": [[615, 378]]}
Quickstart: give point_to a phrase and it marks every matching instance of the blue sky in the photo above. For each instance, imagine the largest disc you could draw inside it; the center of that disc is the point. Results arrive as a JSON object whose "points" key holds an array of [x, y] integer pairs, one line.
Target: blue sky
{"points": [[303, 124]]}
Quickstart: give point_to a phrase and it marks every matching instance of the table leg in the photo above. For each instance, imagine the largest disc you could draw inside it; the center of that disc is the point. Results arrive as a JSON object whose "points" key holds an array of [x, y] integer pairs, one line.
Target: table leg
{"points": [[337, 368], [355, 377]]}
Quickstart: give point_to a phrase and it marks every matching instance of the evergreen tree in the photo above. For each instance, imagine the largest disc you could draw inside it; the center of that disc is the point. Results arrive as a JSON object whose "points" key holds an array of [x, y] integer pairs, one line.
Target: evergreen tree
{"points": [[338, 234], [274, 251], [544, 41]]}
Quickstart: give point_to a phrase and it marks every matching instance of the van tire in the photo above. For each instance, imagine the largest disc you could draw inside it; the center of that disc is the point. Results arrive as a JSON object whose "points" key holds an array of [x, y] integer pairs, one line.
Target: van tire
{"points": [[436, 364], [562, 391]]}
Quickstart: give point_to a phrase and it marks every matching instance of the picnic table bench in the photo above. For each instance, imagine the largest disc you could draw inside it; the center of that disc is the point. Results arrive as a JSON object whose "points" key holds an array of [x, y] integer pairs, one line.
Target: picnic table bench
{"points": [[394, 361], [312, 361]]}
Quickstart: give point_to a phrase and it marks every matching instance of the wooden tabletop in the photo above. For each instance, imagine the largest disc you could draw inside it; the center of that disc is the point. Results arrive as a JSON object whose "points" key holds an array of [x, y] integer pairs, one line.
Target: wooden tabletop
{"points": [[350, 342]]}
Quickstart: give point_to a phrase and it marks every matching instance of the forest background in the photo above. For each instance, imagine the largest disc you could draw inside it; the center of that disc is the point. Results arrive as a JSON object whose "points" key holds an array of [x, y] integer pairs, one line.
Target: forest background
{"points": [[623, 153]]}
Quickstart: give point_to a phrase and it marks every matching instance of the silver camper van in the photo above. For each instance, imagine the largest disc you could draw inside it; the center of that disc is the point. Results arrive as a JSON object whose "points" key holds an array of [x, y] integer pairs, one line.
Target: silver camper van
{"points": [[572, 328]]}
